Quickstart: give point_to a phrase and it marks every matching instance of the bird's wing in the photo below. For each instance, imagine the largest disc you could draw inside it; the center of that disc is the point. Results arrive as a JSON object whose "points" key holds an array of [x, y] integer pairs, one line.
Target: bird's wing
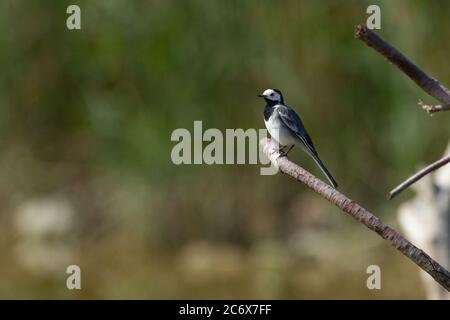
{"points": [[294, 123]]}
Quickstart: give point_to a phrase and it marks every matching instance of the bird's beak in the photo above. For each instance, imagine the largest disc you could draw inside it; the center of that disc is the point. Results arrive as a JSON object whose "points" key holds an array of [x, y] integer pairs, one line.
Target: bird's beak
{"points": [[260, 95]]}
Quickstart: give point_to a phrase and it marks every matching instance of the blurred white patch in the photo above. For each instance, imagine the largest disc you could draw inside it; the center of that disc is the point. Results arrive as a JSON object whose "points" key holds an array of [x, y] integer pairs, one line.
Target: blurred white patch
{"points": [[44, 217], [204, 262], [443, 177], [44, 228], [425, 221]]}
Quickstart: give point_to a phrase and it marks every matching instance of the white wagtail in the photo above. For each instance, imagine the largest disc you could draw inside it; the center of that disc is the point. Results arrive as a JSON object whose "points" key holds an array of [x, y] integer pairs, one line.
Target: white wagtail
{"points": [[285, 126]]}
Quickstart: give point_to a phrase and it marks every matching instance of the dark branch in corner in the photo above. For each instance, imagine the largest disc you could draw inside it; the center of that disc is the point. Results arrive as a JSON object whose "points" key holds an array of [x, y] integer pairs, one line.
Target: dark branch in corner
{"points": [[420, 258], [419, 175], [427, 83]]}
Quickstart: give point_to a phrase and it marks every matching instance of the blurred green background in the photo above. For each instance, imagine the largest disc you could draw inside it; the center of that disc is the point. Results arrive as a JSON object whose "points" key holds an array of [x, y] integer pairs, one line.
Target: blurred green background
{"points": [[85, 124]]}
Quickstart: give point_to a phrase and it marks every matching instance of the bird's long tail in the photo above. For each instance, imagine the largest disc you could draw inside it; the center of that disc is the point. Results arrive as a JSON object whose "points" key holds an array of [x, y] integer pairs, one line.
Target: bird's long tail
{"points": [[324, 170], [309, 148]]}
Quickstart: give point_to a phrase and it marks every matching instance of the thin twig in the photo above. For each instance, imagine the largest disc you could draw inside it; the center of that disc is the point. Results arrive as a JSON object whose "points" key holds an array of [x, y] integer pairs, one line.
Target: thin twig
{"points": [[419, 175], [423, 260], [427, 83]]}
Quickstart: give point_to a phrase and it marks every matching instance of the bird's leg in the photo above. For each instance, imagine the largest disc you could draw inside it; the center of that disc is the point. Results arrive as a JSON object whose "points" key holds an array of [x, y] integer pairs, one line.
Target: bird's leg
{"points": [[290, 148], [283, 152]]}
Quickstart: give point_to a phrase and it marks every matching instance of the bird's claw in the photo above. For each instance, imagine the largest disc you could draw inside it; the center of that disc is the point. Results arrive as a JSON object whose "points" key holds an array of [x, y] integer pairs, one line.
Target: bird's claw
{"points": [[283, 152]]}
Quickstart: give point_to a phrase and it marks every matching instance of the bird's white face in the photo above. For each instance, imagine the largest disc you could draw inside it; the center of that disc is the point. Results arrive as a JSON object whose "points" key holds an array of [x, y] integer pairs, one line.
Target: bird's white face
{"points": [[272, 95]]}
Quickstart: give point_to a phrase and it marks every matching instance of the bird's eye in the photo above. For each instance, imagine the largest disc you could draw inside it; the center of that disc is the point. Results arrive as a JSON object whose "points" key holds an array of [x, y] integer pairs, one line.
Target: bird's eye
{"points": [[271, 94]]}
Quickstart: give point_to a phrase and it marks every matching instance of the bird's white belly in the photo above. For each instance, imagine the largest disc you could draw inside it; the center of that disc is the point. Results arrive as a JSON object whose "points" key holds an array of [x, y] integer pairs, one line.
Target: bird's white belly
{"points": [[279, 131]]}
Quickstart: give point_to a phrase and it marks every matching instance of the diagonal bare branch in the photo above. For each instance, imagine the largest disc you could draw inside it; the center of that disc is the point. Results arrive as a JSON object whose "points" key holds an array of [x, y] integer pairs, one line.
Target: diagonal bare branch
{"points": [[419, 257], [423, 80], [419, 175]]}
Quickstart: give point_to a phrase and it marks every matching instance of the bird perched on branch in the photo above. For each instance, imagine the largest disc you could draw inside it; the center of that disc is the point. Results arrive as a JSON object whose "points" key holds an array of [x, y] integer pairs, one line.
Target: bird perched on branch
{"points": [[286, 127]]}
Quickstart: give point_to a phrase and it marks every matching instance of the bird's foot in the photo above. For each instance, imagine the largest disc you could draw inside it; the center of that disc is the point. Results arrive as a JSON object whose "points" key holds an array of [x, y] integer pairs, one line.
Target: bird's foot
{"points": [[282, 153], [285, 150]]}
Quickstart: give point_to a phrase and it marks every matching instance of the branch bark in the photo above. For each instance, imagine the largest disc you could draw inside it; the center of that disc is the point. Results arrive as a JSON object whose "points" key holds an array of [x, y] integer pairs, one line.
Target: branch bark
{"points": [[427, 83], [420, 258], [419, 175]]}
